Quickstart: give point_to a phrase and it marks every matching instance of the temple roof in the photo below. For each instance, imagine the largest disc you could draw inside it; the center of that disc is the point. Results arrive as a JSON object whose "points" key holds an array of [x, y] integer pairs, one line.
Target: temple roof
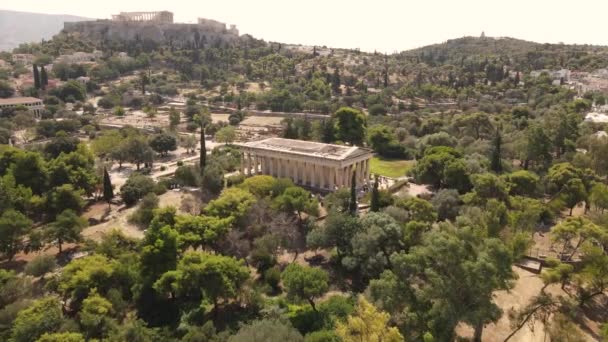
{"points": [[308, 148]]}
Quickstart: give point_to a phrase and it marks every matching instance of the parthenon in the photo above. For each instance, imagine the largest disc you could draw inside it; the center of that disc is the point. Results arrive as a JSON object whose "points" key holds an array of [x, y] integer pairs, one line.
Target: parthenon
{"points": [[316, 165], [165, 17]]}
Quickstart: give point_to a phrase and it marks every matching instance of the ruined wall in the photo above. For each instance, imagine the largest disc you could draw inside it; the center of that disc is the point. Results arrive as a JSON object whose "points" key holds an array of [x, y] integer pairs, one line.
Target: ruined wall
{"points": [[176, 34]]}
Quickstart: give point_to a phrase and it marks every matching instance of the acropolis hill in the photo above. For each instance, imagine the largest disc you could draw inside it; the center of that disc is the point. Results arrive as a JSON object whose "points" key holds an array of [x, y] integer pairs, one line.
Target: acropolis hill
{"points": [[157, 27]]}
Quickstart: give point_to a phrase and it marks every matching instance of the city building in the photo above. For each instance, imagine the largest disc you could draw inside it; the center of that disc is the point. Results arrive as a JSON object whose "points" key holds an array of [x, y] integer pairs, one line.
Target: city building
{"points": [[31, 103], [164, 17], [79, 57], [312, 164], [23, 58]]}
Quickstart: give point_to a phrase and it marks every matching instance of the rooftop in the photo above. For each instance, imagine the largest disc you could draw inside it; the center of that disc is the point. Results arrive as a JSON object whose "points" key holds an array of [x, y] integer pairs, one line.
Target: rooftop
{"points": [[309, 148], [19, 100]]}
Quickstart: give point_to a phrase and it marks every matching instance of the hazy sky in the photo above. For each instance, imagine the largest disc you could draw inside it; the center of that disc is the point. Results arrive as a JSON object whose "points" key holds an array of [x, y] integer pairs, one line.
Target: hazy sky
{"points": [[383, 25]]}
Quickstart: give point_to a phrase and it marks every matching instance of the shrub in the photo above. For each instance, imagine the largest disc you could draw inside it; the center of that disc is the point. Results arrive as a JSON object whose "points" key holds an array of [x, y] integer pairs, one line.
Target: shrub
{"points": [[41, 265], [136, 187], [144, 213], [272, 276]]}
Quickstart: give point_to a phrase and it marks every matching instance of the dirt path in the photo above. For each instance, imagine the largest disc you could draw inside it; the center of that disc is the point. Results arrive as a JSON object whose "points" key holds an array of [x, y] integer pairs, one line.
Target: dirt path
{"points": [[526, 287]]}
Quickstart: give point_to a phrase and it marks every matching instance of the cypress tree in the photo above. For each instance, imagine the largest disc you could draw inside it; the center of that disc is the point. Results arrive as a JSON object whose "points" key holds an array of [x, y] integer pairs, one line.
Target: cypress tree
{"points": [[36, 77], [108, 192], [496, 163], [44, 79], [375, 202], [353, 194], [203, 155]]}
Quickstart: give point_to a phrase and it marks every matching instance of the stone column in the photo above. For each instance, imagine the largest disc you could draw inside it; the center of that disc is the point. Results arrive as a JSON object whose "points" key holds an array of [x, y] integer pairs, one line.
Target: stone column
{"points": [[249, 163], [242, 163], [359, 174], [332, 178], [263, 165], [367, 161], [322, 177], [313, 176], [298, 172]]}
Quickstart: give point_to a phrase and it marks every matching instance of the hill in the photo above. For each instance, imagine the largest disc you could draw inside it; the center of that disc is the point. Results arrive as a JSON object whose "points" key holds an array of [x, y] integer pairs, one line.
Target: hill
{"points": [[524, 55], [25, 27]]}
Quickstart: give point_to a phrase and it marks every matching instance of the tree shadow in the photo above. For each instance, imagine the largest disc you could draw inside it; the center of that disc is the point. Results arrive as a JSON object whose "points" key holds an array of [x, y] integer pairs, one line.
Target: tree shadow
{"points": [[13, 265], [595, 310]]}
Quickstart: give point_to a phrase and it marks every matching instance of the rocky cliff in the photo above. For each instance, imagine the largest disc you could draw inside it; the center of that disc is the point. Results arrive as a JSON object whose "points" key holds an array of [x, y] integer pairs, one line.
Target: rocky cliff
{"points": [[171, 34]]}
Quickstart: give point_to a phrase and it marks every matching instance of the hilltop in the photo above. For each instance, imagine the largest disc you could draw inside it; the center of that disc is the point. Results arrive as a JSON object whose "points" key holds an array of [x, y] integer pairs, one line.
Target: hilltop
{"points": [[529, 55]]}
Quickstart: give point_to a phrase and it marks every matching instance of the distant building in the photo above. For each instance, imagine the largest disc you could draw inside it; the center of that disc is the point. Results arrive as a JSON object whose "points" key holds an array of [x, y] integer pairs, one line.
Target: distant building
{"points": [[164, 17], [79, 57], [23, 58], [217, 27], [33, 104], [83, 79], [561, 75]]}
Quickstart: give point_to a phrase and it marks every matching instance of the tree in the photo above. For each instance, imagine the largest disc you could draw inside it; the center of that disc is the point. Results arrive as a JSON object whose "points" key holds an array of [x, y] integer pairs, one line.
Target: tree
{"points": [[72, 91], [352, 206], [379, 237], [350, 125], [64, 197], [134, 330], [447, 204], [496, 157], [477, 123], [145, 211], [267, 330], [95, 315], [13, 228], [298, 200], [43, 316], [61, 337], [201, 231], [337, 231], [163, 143], [108, 191], [135, 188], [422, 282], [204, 276], [203, 153], [44, 79], [6, 90], [571, 230], [522, 183], [305, 282], [367, 324], [443, 167], [233, 202], [375, 200], [189, 143], [599, 196], [213, 178], [66, 228], [137, 151], [37, 84], [226, 135], [537, 148], [174, 118], [573, 193]]}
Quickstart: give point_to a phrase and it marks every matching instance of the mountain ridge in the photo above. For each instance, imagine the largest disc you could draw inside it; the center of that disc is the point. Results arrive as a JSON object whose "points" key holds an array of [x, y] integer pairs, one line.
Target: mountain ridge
{"points": [[18, 27]]}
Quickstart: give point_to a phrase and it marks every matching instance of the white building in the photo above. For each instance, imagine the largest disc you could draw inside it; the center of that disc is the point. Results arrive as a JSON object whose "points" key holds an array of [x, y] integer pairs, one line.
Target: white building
{"points": [[33, 104]]}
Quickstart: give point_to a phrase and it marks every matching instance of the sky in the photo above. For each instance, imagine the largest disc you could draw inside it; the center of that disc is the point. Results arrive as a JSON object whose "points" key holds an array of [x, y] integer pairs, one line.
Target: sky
{"points": [[381, 25]]}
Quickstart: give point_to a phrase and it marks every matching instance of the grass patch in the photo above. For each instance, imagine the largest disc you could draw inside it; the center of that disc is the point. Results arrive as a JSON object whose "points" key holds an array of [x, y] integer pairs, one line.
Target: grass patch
{"points": [[390, 167]]}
